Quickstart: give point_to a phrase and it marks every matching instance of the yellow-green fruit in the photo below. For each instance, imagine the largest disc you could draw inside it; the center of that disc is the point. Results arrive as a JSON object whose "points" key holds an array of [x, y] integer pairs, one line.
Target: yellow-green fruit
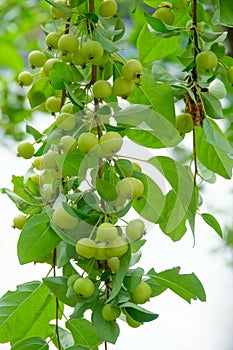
{"points": [[230, 74], [106, 232], [141, 294], [53, 104], [67, 108], [49, 65], [60, 13], [92, 51], [206, 60], [37, 163], [51, 40], [110, 143], [117, 248], [131, 322], [68, 43], [66, 121], [87, 142], [86, 247], [125, 189], [165, 4], [102, 89], [165, 14], [49, 160], [37, 58], [77, 58], [102, 251], [138, 186], [184, 123], [68, 143], [25, 150], [64, 220], [110, 313], [123, 87], [132, 70], [72, 279], [135, 229], [19, 221], [25, 78], [136, 167], [108, 8], [84, 287], [113, 263]]}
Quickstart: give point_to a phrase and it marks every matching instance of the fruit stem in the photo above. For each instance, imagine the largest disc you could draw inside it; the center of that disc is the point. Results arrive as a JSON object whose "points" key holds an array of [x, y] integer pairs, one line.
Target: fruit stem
{"points": [[57, 302]]}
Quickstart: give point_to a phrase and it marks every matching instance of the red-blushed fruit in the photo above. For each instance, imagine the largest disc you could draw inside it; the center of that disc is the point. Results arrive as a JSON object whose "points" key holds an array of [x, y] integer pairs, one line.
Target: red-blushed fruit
{"points": [[64, 220], [206, 60], [86, 247], [37, 58], [19, 221], [51, 40], [68, 43], [25, 150], [102, 89], [132, 70], [184, 123], [165, 14], [108, 8], [66, 121], [92, 51], [123, 87], [135, 229], [110, 313], [84, 287], [230, 74], [53, 104], [141, 294], [106, 232], [110, 143], [87, 142], [25, 78]]}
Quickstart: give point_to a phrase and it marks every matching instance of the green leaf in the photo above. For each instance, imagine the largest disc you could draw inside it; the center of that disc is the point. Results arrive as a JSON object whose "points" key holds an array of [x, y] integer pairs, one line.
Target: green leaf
{"points": [[151, 205], [161, 74], [212, 222], [32, 131], [74, 95], [34, 343], [156, 287], [60, 7], [120, 275], [69, 163], [133, 115], [21, 204], [19, 189], [223, 13], [65, 337], [215, 136], [158, 25], [186, 286], [133, 278], [212, 105], [212, 157], [60, 74], [83, 333], [123, 167], [106, 189], [138, 313], [21, 309], [108, 331], [37, 239], [151, 47], [58, 285], [107, 44], [39, 92], [120, 25]]}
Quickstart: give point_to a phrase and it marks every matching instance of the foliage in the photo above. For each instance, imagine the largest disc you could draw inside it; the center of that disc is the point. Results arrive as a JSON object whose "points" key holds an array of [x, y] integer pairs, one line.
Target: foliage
{"points": [[83, 174]]}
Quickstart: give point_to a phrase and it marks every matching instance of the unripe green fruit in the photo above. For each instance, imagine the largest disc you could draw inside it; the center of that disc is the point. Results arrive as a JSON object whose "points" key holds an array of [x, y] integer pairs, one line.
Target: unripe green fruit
{"points": [[132, 70], [19, 221], [64, 220], [25, 150], [110, 143], [37, 163], [189, 25], [51, 40], [110, 313], [87, 142], [136, 167], [135, 229], [57, 13], [165, 4], [25, 78], [84, 287], [108, 8], [184, 123], [53, 104], [113, 263], [125, 189], [230, 74], [67, 108], [138, 186], [165, 14], [72, 279], [49, 160], [131, 322], [68, 143], [103, 60], [118, 247], [68, 43], [106, 232], [92, 51], [47, 192], [102, 89], [180, 4], [78, 59], [66, 121], [49, 65], [66, 57], [123, 87], [37, 58], [141, 293], [206, 60], [86, 247], [102, 251]]}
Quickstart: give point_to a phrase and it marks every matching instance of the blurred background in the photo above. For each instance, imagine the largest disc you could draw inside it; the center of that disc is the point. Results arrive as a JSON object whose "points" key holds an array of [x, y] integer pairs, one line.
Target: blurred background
{"points": [[181, 326]]}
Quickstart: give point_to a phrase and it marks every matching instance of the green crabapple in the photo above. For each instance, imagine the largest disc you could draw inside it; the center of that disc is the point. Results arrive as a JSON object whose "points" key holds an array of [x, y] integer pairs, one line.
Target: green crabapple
{"points": [[92, 51], [141, 294], [68, 143], [123, 87], [206, 60], [25, 150], [48, 65], [87, 142], [110, 313], [102, 89], [86, 247], [66, 121], [108, 8], [132, 70], [64, 220], [184, 123], [110, 143], [51, 40], [165, 14], [68, 43], [106, 232], [138, 186], [135, 229], [59, 12], [19, 221], [25, 78], [84, 287], [37, 58], [53, 104]]}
